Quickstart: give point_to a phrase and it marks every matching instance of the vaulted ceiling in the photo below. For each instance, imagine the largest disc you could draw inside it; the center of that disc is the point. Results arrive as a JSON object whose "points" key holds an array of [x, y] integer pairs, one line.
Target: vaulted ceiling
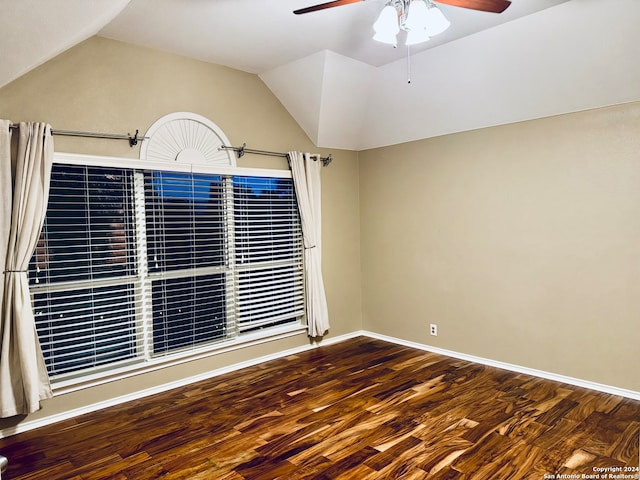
{"points": [[538, 58]]}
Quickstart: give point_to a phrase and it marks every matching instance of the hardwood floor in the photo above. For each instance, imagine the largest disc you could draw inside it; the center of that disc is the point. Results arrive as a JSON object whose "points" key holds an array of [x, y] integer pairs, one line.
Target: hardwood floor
{"points": [[361, 409]]}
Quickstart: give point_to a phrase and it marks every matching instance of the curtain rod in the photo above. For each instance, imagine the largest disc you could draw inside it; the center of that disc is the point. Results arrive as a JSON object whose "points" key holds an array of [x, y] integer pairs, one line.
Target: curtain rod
{"points": [[240, 151], [133, 139]]}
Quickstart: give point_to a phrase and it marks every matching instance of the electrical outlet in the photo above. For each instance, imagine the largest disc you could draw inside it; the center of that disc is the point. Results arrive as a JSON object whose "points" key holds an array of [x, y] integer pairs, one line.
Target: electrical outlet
{"points": [[433, 329]]}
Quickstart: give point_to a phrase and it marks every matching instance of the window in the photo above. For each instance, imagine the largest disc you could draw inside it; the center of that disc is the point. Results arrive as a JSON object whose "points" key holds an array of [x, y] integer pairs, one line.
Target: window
{"points": [[186, 258], [269, 277], [135, 265]]}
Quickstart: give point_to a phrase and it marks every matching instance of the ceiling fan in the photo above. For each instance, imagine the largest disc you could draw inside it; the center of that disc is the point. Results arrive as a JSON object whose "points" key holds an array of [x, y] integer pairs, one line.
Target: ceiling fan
{"points": [[420, 19], [493, 6]]}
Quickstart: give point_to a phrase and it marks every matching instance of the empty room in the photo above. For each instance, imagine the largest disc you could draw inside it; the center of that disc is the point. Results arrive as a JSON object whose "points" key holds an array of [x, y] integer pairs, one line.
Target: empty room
{"points": [[303, 240]]}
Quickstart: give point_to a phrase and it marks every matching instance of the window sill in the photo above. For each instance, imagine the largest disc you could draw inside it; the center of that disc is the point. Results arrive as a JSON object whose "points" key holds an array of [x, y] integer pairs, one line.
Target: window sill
{"points": [[69, 385]]}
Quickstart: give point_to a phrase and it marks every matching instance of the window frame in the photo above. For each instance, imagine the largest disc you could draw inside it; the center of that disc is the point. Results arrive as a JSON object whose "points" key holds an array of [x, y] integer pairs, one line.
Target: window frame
{"points": [[67, 383]]}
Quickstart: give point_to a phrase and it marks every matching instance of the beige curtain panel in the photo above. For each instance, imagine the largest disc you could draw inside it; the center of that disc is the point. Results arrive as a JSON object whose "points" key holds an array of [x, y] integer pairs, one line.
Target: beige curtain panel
{"points": [[305, 169], [24, 183]]}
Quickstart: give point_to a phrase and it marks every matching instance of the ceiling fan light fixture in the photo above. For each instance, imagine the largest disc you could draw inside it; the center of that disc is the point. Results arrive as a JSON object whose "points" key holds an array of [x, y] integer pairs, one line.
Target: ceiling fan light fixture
{"points": [[418, 15], [436, 22], [385, 37], [386, 26]]}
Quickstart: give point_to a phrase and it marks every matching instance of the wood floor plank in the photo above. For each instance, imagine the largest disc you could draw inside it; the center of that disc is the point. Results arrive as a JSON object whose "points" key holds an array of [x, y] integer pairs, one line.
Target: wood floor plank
{"points": [[362, 409], [625, 449], [441, 454]]}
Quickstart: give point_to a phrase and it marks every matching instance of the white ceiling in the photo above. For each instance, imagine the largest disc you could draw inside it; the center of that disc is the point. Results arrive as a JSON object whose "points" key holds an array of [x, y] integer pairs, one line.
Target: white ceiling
{"points": [[258, 35], [538, 58]]}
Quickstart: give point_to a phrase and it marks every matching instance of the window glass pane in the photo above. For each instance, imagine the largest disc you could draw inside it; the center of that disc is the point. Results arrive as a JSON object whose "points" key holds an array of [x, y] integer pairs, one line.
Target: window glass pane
{"points": [[185, 220], [85, 328], [88, 230], [266, 220], [188, 311], [269, 296]]}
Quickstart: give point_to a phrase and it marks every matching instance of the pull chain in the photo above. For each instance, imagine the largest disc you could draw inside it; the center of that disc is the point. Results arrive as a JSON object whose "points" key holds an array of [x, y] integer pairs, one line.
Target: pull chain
{"points": [[408, 63]]}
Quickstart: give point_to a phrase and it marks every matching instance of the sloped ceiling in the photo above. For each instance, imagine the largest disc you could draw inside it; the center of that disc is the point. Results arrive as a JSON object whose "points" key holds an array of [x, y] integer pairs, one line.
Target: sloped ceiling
{"points": [[34, 31], [539, 58], [574, 56], [327, 94]]}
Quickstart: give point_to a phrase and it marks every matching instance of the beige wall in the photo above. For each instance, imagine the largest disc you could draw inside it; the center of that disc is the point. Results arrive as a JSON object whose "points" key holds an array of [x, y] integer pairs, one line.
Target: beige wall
{"points": [[107, 86], [521, 242]]}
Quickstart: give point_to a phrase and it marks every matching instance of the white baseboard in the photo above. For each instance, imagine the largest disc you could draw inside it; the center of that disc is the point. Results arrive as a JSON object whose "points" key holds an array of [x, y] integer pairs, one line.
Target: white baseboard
{"points": [[514, 368], [48, 420]]}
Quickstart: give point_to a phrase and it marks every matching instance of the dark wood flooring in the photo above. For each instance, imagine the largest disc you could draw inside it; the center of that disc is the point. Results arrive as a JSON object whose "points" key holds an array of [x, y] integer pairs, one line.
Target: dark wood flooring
{"points": [[360, 409]]}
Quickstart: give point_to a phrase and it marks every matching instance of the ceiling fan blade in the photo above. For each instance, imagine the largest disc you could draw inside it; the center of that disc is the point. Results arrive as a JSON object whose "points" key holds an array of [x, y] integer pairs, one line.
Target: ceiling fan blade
{"points": [[493, 6], [322, 6]]}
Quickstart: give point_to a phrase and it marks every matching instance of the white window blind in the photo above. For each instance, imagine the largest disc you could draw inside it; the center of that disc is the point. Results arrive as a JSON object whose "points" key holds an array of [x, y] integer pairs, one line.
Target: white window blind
{"points": [[268, 247], [133, 265], [187, 258], [82, 274]]}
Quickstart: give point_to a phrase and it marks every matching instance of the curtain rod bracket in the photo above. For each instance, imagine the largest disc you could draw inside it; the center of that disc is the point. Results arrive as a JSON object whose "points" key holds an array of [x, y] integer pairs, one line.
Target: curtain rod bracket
{"points": [[133, 141], [240, 151]]}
